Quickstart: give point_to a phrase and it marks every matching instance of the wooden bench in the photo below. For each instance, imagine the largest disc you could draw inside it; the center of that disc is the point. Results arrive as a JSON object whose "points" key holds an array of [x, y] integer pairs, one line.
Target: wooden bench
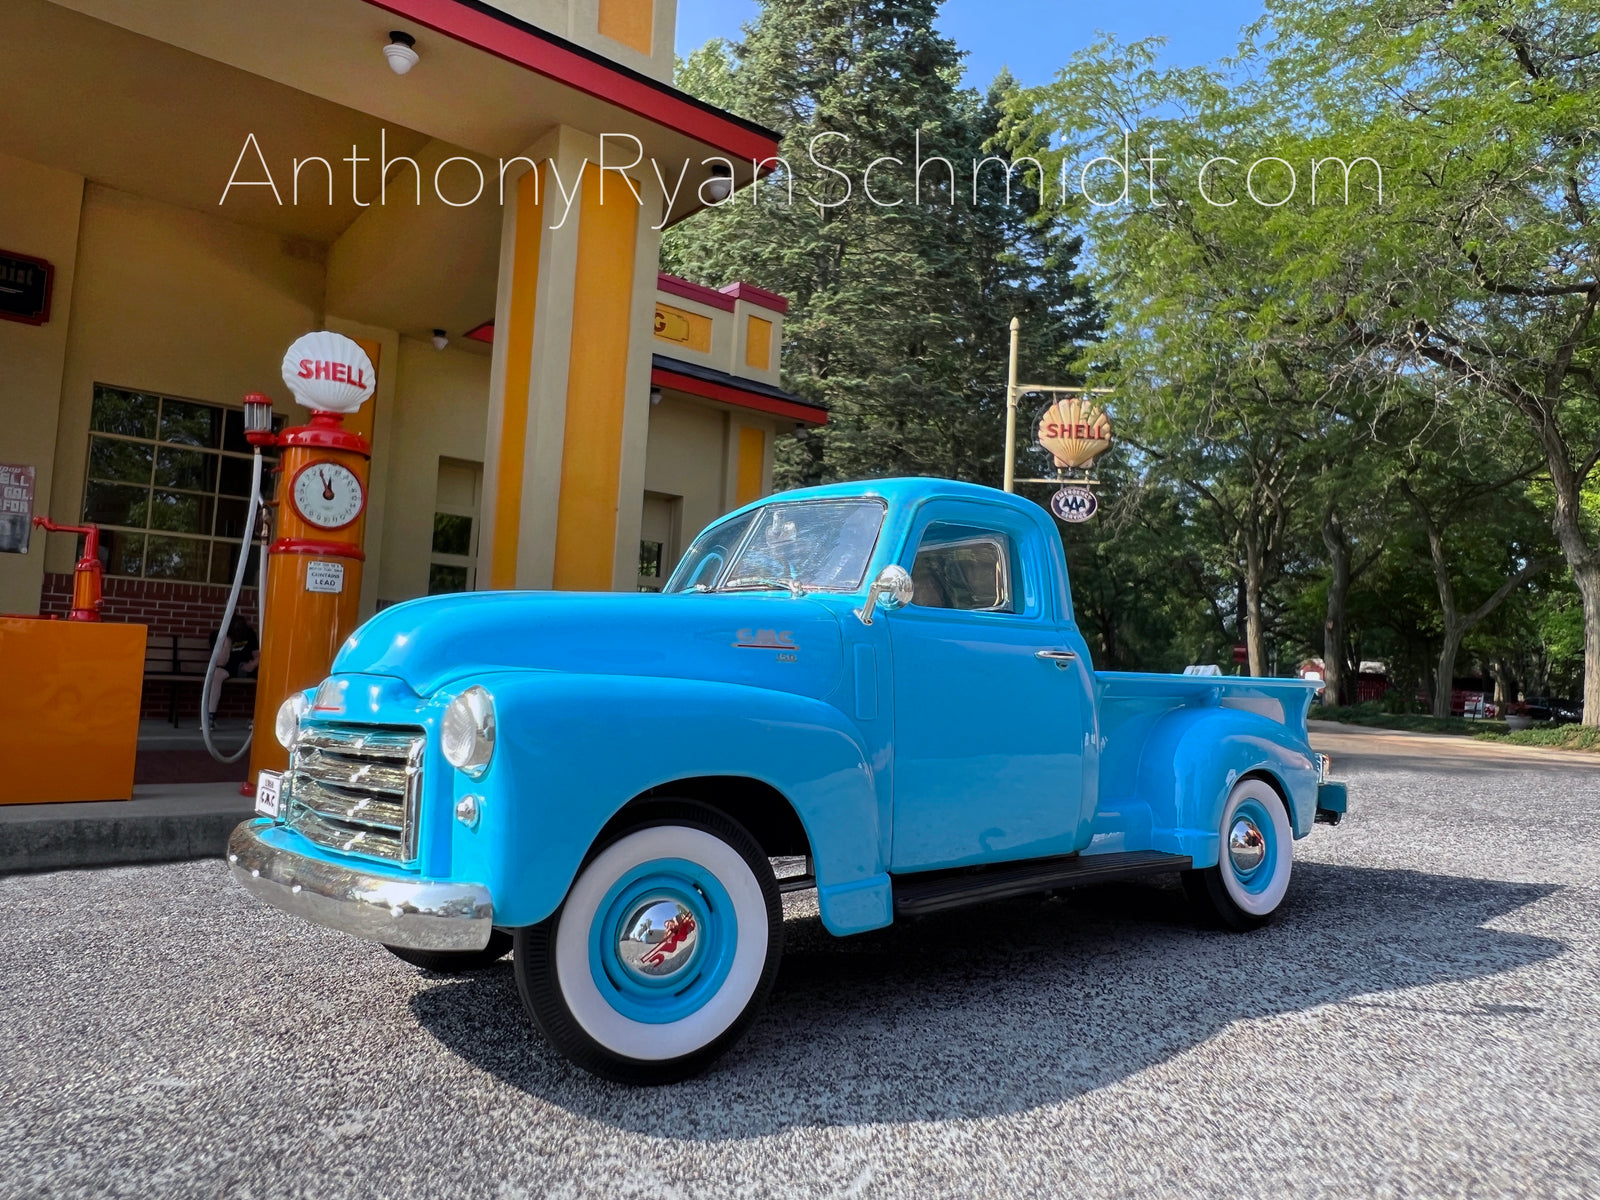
{"points": [[171, 659]]}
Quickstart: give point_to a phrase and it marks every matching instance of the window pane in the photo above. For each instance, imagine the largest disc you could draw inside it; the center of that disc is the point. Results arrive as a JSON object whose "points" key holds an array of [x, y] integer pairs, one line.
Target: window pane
{"points": [[650, 559], [191, 424], [130, 413], [706, 558], [225, 560], [446, 579], [816, 543], [176, 558], [967, 575], [233, 431], [187, 469], [452, 534], [181, 512], [122, 553], [128, 462], [235, 479], [230, 517], [116, 504]]}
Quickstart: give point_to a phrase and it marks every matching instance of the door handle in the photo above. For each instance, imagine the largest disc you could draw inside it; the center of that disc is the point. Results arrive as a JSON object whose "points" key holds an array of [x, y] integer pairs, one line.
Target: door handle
{"points": [[1060, 657]]}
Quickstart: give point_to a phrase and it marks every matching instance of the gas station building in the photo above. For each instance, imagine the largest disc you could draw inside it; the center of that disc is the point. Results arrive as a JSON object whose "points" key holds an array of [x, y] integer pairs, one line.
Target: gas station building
{"points": [[550, 412]]}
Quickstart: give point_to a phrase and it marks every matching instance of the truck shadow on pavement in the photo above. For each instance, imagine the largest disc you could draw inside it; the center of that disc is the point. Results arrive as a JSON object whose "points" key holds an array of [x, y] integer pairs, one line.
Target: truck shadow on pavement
{"points": [[1014, 1005]]}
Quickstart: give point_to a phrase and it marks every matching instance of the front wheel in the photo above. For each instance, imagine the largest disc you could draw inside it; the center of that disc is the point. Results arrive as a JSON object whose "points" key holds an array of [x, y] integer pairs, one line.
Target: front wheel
{"points": [[1248, 883], [663, 951]]}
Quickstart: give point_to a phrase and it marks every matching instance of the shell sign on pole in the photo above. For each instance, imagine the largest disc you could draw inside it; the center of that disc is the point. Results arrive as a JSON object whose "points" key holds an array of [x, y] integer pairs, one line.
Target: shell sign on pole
{"points": [[1075, 432]]}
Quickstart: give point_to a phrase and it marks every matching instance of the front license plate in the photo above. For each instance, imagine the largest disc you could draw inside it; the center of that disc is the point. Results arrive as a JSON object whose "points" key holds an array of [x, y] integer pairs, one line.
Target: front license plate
{"points": [[269, 785]]}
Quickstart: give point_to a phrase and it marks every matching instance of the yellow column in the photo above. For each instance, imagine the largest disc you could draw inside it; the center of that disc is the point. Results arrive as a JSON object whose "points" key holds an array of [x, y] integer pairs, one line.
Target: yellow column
{"points": [[513, 433], [752, 460], [591, 452]]}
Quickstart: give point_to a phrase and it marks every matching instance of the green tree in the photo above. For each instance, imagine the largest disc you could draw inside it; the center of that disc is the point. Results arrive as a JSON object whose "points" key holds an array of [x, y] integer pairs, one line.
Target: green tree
{"points": [[1480, 269], [900, 307]]}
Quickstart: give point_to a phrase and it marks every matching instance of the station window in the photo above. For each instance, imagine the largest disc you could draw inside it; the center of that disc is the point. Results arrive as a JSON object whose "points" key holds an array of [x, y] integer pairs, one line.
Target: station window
{"points": [[453, 555], [658, 529], [168, 482]]}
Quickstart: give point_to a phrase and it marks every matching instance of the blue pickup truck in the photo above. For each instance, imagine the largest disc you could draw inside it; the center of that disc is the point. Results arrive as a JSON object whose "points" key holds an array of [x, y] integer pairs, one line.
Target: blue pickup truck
{"points": [[883, 680]]}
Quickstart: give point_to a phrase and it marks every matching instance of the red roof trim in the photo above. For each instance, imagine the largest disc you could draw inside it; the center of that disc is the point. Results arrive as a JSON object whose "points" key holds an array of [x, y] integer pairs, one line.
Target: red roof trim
{"points": [[751, 294], [707, 390], [522, 44], [674, 286]]}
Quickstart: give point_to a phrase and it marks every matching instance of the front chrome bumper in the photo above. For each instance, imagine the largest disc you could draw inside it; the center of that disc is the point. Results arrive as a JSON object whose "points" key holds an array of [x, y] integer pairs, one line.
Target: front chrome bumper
{"points": [[378, 906]]}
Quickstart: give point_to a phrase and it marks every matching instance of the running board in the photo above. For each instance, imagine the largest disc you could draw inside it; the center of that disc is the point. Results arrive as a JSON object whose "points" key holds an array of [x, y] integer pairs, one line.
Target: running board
{"points": [[935, 891]]}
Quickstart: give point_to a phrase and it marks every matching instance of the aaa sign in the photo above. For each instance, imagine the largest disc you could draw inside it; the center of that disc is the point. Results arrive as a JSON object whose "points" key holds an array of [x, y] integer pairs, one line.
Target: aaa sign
{"points": [[1076, 432]]}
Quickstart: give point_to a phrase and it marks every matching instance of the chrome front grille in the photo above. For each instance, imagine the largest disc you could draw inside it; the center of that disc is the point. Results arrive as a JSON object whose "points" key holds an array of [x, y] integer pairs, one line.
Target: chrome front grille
{"points": [[357, 790]]}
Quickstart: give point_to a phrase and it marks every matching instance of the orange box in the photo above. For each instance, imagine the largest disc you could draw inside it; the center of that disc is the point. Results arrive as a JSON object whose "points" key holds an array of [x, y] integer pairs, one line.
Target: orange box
{"points": [[69, 709]]}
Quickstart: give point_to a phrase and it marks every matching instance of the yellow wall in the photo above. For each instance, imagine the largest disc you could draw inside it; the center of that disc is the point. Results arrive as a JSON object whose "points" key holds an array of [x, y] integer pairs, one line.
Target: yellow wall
{"points": [[591, 454], [751, 478], [177, 302], [682, 329], [630, 22], [758, 343], [506, 502], [39, 212], [636, 33], [440, 411]]}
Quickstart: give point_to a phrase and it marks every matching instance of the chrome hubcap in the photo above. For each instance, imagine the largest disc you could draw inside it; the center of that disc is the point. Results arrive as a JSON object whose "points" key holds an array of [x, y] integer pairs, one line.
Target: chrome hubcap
{"points": [[659, 938], [1246, 847]]}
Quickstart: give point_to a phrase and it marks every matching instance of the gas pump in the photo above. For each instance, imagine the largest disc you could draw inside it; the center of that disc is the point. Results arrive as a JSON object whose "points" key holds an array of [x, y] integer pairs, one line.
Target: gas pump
{"points": [[311, 585]]}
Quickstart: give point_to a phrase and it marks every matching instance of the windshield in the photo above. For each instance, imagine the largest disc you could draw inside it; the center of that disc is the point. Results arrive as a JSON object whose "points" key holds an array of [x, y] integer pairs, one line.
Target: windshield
{"points": [[815, 545]]}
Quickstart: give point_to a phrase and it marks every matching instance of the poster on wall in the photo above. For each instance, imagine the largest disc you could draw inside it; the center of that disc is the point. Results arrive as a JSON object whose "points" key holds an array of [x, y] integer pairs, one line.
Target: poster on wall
{"points": [[16, 508], [25, 288]]}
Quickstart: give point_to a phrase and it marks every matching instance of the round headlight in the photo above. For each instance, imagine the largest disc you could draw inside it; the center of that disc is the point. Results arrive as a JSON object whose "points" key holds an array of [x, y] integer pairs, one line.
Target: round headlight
{"points": [[287, 726], [467, 737]]}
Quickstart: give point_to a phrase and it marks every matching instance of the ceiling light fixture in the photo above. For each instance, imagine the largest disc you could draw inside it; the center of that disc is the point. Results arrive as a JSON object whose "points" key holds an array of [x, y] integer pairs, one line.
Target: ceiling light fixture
{"points": [[440, 339], [720, 186], [400, 52]]}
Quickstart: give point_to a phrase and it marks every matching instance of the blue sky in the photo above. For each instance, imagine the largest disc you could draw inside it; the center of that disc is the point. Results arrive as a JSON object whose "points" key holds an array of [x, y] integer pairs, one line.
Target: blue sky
{"points": [[1033, 37]]}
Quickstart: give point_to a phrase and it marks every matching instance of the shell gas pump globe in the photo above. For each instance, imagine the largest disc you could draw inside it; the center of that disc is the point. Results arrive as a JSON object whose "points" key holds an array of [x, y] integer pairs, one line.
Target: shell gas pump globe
{"points": [[313, 576]]}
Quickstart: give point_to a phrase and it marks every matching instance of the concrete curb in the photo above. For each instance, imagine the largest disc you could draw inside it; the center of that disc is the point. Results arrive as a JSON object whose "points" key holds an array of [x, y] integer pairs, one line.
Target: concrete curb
{"points": [[162, 823]]}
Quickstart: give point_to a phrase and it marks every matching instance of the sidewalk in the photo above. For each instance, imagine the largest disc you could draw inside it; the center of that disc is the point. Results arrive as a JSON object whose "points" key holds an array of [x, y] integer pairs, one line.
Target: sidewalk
{"points": [[162, 823]]}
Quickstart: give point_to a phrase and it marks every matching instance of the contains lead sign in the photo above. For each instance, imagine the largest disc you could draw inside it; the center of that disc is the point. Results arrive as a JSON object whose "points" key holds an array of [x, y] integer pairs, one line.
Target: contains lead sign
{"points": [[324, 576]]}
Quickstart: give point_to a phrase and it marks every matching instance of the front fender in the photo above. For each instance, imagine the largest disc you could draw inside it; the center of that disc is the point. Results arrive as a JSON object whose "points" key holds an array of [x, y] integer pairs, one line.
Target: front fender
{"points": [[1191, 761], [574, 749]]}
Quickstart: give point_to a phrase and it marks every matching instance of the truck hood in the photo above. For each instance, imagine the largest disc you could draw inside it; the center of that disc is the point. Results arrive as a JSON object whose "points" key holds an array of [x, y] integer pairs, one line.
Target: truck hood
{"points": [[761, 639]]}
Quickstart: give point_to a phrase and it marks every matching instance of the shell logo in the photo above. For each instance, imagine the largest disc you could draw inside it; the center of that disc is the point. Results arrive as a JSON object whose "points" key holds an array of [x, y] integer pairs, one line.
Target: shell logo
{"points": [[329, 372], [1076, 432]]}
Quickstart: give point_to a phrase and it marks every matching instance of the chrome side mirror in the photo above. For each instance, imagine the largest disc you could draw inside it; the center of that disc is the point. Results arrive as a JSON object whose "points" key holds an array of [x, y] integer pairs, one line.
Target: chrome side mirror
{"points": [[892, 589]]}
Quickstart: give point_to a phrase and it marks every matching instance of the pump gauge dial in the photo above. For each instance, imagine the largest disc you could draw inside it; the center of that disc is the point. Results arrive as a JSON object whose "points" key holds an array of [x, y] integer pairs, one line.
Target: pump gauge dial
{"points": [[327, 494]]}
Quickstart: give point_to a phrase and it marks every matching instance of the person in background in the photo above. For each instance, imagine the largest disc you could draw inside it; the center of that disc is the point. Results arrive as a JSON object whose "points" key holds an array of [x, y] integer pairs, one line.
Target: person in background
{"points": [[242, 655]]}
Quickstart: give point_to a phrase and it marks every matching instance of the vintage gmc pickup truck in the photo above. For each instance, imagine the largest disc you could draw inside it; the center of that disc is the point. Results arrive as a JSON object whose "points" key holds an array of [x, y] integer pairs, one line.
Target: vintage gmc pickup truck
{"points": [[883, 679]]}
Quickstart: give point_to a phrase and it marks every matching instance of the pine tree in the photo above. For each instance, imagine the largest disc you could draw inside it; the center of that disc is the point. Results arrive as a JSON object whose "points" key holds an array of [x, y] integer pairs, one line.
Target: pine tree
{"points": [[900, 311]]}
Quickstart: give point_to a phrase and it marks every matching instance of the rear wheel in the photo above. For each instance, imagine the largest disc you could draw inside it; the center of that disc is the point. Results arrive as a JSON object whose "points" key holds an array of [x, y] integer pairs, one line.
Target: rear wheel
{"points": [[663, 951], [453, 962], [1248, 883]]}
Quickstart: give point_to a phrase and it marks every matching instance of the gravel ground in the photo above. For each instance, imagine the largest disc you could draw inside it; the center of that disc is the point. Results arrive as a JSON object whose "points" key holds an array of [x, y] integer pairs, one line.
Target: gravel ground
{"points": [[1420, 1021]]}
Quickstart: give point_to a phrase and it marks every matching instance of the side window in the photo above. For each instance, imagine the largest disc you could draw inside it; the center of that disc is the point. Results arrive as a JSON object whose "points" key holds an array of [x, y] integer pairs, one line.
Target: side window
{"points": [[964, 568]]}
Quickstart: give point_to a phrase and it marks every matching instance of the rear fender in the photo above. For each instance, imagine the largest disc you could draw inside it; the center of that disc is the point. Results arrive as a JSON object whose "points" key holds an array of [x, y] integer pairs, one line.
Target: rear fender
{"points": [[572, 750], [1191, 761]]}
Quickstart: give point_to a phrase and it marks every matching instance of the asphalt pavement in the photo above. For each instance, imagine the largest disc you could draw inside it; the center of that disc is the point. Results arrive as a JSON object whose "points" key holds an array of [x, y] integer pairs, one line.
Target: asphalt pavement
{"points": [[1422, 1020]]}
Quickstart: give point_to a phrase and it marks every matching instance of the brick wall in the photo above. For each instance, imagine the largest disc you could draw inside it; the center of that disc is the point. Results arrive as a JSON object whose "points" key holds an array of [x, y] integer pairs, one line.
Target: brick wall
{"points": [[182, 609]]}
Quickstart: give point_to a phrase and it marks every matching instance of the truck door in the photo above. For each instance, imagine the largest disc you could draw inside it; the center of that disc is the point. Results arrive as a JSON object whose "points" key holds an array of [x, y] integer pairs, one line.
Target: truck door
{"points": [[991, 692]]}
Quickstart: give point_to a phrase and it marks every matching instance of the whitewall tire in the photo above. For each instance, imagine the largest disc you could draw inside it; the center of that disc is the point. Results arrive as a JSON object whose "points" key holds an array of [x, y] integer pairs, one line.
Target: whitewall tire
{"points": [[1255, 859], [662, 952]]}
